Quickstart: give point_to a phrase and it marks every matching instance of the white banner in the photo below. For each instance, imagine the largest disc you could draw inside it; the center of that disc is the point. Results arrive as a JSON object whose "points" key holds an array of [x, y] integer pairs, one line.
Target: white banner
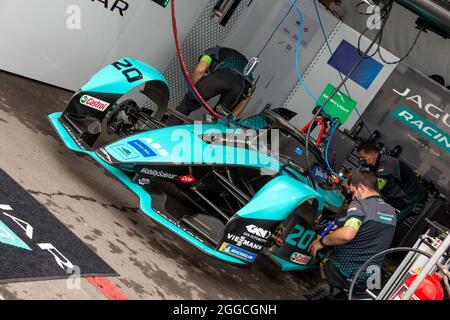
{"points": [[64, 42]]}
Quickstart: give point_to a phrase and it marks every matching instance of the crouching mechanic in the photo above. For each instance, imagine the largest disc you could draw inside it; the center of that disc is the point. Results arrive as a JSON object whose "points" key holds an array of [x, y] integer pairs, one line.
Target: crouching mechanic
{"points": [[220, 72], [367, 230], [396, 180]]}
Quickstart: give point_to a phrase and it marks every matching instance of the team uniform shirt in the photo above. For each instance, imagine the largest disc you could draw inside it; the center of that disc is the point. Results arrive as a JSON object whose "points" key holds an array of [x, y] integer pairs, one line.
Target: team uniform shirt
{"points": [[375, 221], [396, 180], [221, 58]]}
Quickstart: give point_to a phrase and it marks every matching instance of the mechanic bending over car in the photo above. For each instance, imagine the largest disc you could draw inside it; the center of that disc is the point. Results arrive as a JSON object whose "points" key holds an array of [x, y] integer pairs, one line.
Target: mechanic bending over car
{"points": [[396, 180], [368, 229], [220, 72]]}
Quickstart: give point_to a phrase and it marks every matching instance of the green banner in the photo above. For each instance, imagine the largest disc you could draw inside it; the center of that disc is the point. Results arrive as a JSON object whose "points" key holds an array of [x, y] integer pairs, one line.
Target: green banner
{"points": [[341, 106], [424, 127]]}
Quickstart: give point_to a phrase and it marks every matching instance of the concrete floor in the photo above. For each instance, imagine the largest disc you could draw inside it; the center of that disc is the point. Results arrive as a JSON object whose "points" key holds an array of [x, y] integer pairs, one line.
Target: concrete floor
{"points": [[152, 263]]}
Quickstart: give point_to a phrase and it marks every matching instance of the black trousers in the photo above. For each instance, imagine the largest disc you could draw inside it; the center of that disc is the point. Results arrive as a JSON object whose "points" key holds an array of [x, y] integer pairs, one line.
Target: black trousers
{"points": [[228, 84], [338, 281]]}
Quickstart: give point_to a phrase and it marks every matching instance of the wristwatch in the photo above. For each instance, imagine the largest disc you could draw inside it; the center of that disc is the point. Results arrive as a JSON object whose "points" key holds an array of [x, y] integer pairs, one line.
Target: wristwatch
{"points": [[321, 242]]}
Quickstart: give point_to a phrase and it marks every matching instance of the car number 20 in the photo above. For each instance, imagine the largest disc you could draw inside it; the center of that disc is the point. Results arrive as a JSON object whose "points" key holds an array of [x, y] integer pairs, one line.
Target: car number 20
{"points": [[128, 70], [301, 238]]}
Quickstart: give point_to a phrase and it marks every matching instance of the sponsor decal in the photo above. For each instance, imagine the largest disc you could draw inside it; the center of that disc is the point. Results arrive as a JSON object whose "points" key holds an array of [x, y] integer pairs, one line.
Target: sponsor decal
{"points": [[163, 153], [125, 152], [352, 209], [424, 127], [264, 234], [237, 252], [386, 216], [94, 103], [300, 259], [144, 181], [187, 179], [242, 241], [148, 141], [156, 146], [158, 174], [320, 174], [142, 148], [234, 139]]}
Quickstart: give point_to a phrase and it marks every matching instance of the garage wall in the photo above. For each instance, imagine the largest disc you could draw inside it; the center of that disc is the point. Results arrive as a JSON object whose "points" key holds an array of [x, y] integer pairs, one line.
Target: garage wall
{"points": [[320, 73], [431, 54], [204, 34], [277, 67], [36, 42], [279, 84]]}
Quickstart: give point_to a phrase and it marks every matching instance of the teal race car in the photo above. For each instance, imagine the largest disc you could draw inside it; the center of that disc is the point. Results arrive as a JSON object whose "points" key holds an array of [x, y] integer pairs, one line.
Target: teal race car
{"points": [[232, 189]]}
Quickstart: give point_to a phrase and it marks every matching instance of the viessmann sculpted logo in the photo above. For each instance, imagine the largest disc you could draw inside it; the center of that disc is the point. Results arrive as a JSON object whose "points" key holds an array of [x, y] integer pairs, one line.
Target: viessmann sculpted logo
{"points": [[94, 103], [242, 241]]}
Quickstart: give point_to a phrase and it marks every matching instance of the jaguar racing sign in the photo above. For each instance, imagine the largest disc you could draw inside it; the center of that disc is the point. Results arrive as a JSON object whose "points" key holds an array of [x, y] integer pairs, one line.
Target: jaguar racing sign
{"points": [[423, 127]]}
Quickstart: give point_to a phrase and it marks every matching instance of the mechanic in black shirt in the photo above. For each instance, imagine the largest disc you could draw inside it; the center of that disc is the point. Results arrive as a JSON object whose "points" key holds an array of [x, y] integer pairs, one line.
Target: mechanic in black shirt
{"points": [[396, 180], [220, 72], [367, 230]]}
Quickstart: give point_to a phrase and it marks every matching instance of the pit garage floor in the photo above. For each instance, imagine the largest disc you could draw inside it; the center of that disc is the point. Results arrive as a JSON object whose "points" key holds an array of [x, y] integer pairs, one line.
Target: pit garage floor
{"points": [[152, 263]]}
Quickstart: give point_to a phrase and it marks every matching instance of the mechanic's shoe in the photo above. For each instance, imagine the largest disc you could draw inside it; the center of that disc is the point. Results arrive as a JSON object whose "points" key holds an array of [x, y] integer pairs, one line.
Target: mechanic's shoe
{"points": [[320, 292]]}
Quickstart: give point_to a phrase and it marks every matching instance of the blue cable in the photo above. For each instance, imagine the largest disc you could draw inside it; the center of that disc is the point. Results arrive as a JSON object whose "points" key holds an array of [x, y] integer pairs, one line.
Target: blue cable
{"points": [[331, 52], [297, 50]]}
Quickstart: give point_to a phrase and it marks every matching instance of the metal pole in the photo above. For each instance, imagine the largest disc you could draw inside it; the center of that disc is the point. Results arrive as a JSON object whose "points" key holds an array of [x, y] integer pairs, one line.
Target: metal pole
{"points": [[399, 274], [428, 268]]}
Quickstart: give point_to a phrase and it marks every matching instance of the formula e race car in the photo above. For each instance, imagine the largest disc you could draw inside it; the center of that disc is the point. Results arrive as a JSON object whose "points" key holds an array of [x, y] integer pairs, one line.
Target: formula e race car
{"points": [[233, 191]]}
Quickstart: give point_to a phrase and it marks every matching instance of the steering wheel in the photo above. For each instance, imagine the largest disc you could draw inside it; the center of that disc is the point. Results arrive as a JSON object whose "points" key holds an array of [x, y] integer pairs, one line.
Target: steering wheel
{"points": [[275, 121], [278, 122]]}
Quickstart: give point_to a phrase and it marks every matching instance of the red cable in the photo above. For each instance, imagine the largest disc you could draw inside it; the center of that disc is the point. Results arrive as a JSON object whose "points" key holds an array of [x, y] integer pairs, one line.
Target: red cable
{"points": [[322, 131], [183, 65]]}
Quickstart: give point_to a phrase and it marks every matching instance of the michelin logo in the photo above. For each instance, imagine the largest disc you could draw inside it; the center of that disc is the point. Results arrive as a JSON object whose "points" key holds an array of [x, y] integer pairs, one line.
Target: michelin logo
{"points": [[237, 252]]}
